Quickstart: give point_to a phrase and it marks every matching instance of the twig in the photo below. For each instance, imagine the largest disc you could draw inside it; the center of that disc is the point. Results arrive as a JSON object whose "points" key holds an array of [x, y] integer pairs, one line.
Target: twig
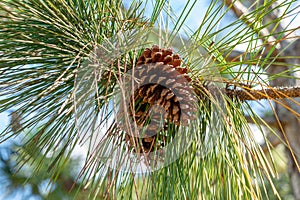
{"points": [[246, 93], [258, 94]]}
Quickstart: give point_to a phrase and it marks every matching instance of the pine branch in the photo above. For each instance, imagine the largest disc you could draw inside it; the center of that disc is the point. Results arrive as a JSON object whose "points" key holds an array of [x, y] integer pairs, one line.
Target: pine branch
{"points": [[258, 94], [246, 93]]}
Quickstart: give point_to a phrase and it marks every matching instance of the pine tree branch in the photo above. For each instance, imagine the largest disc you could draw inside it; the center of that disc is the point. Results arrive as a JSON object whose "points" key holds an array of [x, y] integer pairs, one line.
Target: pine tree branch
{"points": [[258, 94], [246, 93]]}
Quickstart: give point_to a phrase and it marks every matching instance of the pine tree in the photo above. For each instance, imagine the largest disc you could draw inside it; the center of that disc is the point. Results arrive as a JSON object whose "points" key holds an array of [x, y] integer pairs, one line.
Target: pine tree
{"points": [[147, 95]]}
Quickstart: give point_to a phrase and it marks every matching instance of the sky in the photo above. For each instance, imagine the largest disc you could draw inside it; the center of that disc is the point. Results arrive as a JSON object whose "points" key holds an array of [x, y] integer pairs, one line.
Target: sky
{"points": [[4, 120]]}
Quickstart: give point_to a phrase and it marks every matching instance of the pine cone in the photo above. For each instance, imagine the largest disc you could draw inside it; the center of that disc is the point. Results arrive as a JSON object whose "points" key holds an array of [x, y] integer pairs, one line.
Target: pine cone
{"points": [[164, 84], [166, 56]]}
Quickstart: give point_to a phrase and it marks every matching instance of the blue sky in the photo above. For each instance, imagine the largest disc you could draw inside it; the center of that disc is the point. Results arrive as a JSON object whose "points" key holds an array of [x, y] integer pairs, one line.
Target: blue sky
{"points": [[4, 120]]}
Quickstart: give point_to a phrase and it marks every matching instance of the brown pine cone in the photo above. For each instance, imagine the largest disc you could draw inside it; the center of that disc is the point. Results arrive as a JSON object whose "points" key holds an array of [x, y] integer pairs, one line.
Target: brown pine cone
{"points": [[163, 85]]}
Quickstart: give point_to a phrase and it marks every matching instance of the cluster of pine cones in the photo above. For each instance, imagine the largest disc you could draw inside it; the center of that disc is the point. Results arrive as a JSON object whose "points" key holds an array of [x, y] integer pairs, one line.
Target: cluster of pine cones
{"points": [[164, 95]]}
